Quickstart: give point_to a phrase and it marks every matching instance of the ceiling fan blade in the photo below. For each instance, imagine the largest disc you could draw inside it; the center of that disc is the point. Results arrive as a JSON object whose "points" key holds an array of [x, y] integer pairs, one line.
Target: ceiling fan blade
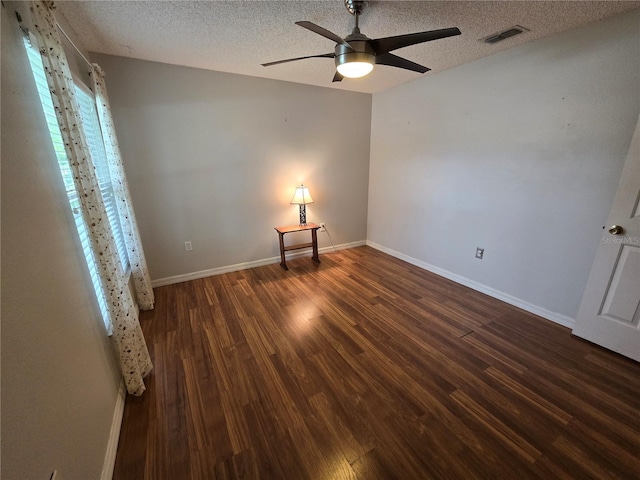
{"points": [[337, 77], [388, 44], [396, 61], [324, 32], [325, 55]]}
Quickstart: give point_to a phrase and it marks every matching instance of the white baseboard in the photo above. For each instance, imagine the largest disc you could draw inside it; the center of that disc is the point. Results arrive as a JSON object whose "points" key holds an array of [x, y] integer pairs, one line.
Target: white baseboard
{"points": [[243, 266], [563, 320], [114, 435]]}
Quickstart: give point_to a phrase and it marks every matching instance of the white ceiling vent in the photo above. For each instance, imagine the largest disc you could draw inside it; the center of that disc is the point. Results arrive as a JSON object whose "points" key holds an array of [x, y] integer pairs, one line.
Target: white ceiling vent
{"points": [[509, 32]]}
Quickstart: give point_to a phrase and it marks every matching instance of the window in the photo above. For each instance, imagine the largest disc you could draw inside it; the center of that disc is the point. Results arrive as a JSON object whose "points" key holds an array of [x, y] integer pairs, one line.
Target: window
{"points": [[92, 131], [96, 145]]}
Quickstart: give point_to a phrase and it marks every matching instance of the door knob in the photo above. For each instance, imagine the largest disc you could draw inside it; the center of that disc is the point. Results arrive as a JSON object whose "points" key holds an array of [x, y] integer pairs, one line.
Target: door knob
{"points": [[616, 230]]}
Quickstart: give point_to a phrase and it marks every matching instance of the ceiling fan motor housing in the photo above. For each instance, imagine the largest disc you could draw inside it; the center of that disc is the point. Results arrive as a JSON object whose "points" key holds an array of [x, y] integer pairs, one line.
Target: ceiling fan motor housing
{"points": [[360, 51]]}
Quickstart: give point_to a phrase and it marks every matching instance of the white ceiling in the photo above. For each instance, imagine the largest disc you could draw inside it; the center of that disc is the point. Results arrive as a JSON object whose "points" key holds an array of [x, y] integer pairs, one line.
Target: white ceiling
{"points": [[237, 36]]}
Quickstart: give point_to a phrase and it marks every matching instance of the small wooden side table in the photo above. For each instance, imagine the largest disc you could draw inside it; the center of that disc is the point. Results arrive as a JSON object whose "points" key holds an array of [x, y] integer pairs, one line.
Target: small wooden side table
{"points": [[298, 228]]}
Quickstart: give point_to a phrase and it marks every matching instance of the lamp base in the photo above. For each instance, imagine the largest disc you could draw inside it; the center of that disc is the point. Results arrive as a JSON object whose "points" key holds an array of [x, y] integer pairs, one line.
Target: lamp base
{"points": [[303, 215]]}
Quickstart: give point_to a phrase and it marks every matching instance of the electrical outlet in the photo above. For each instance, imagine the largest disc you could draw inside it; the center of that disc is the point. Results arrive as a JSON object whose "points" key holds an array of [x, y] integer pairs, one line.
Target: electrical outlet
{"points": [[479, 252], [187, 246], [322, 227]]}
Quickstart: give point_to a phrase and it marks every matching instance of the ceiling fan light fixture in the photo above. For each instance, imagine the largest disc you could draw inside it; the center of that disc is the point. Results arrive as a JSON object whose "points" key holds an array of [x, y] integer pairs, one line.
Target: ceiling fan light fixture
{"points": [[352, 64], [355, 69]]}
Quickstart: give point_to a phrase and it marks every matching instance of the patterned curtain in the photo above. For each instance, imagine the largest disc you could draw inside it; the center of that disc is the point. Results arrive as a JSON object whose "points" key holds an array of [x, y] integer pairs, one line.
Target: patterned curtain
{"points": [[135, 362], [141, 280]]}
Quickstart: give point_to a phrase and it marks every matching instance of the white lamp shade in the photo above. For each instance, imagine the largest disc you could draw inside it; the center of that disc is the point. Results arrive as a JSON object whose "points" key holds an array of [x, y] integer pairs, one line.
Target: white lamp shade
{"points": [[355, 69], [302, 196]]}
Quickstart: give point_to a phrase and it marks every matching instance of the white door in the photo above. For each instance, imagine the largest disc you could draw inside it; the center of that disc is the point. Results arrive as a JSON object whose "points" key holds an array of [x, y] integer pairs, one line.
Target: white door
{"points": [[610, 310]]}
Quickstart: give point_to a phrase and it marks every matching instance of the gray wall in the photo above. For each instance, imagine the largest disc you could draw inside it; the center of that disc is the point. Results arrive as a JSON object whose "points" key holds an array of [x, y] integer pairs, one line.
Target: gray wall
{"points": [[519, 153], [59, 379], [214, 158]]}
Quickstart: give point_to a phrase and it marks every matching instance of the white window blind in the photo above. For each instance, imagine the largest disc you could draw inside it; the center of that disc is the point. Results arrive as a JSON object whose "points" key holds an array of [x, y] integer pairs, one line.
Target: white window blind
{"points": [[93, 133], [58, 145]]}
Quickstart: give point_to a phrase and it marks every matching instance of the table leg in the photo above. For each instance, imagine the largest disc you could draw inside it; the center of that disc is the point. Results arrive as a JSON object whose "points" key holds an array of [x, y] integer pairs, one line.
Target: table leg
{"points": [[314, 240], [283, 261]]}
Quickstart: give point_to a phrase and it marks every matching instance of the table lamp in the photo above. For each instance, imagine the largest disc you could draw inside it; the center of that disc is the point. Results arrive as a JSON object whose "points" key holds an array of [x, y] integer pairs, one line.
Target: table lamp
{"points": [[302, 197]]}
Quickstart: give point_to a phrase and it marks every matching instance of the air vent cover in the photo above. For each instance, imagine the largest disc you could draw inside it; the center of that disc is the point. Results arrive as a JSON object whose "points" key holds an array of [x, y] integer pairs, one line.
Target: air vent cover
{"points": [[509, 32]]}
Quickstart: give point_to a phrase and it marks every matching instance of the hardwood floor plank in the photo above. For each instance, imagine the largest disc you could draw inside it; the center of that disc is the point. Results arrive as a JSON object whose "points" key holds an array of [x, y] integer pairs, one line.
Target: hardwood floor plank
{"points": [[628, 461], [237, 427], [510, 438], [492, 356], [549, 409], [582, 407], [365, 367], [586, 459], [371, 465], [339, 433], [269, 449], [258, 341], [344, 391], [245, 465], [622, 369]]}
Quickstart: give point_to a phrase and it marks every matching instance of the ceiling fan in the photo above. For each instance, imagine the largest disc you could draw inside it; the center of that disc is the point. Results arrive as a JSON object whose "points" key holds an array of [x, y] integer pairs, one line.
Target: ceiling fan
{"points": [[356, 54]]}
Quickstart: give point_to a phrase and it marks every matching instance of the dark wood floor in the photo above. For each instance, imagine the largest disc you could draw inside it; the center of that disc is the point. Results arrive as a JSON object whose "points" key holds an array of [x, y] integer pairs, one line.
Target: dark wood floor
{"points": [[366, 367]]}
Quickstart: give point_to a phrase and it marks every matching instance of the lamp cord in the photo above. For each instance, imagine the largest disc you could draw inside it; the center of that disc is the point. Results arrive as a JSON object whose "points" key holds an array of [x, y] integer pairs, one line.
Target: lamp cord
{"points": [[328, 235]]}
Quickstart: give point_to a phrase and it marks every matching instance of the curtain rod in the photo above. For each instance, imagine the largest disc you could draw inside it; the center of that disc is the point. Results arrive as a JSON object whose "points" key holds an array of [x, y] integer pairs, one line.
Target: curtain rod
{"points": [[26, 32], [74, 45]]}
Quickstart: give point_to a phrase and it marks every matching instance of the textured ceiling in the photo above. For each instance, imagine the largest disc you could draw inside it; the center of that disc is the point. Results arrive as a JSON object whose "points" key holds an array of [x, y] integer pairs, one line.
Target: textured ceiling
{"points": [[237, 36]]}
